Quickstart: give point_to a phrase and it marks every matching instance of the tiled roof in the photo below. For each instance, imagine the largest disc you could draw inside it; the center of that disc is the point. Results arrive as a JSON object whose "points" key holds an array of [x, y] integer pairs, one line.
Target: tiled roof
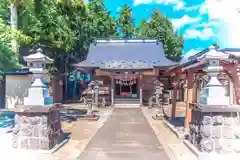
{"points": [[126, 54]]}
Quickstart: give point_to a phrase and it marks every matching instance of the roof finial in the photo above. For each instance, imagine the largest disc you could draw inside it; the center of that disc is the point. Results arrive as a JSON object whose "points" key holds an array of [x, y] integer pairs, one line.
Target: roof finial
{"points": [[39, 50], [214, 46]]}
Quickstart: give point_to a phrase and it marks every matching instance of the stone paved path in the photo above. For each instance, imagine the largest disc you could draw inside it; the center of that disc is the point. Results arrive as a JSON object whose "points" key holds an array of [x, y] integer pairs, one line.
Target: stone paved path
{"points": [[126, 135]]}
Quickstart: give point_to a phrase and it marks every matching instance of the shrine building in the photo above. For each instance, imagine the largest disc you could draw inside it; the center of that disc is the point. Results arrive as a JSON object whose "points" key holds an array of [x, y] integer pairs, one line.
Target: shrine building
{"points": [[127, 68]]}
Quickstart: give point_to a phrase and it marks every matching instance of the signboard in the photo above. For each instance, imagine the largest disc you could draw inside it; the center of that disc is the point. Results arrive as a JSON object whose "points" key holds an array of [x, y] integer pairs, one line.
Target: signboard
{"points": [[78, 76]]}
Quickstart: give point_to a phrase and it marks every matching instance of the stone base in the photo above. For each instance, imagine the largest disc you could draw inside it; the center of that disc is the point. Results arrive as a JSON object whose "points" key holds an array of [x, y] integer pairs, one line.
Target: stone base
{"points": [[37, 128], [180, 135], [51, 151], [210, 156], [215, 130], [89, 117], [214, 100], [158, 117]]}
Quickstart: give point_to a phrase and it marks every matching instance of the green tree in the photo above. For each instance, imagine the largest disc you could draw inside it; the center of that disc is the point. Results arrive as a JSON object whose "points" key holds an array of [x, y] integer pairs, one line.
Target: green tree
{"points": [[142, 30], [161, 28], [126, 23], [65, 28], [46, 25], [92, 21], [7, 60], [104, 26]]}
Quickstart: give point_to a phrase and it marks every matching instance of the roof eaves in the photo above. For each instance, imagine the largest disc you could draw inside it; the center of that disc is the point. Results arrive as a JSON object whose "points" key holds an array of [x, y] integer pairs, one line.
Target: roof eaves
{"points": [[86, 64], [230, 50]]}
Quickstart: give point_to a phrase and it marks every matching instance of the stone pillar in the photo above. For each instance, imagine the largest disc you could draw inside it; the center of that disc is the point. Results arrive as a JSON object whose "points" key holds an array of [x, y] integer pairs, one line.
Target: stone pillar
{"points": [[112, 91], [140, 91], [96, 92]]}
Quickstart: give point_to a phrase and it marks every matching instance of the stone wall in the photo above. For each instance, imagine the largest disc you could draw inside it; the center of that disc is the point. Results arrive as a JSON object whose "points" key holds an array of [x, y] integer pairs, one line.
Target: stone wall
{"points": [[17, 88], [57, 89], [37, 131], [215, 132]]}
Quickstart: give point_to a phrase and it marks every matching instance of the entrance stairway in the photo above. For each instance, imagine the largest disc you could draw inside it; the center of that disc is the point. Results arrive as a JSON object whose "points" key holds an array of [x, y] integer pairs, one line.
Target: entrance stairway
{"points": [[126, 102]]}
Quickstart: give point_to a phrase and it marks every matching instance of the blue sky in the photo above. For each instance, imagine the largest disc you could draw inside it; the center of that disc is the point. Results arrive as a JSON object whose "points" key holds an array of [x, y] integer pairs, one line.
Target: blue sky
{"points": [[201, 22]]}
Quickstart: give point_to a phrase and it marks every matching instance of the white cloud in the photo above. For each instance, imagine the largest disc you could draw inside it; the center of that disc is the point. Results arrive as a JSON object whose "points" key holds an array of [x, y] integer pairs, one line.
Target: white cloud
{"points": [[178, 23], [205, 34], [166, 2], [227, 13], [226, 10], [192, 8], [137, 2], [178, 4], [207, 24]]}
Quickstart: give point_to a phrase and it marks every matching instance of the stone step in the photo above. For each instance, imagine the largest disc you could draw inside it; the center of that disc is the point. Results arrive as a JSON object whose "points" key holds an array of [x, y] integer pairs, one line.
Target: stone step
{"points": [[127, 99], [126, 102], [126, 105]]}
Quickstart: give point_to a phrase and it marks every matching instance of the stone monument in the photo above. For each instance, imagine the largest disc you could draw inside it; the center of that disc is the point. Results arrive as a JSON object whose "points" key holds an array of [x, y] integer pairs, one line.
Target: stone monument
{"points": [[37, 122], [94, 87], [215, 124], [159, 100]]}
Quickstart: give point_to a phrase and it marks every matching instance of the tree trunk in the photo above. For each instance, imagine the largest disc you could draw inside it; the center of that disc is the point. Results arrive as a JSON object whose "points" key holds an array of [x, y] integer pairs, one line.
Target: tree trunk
{"points": [[14, 22]]}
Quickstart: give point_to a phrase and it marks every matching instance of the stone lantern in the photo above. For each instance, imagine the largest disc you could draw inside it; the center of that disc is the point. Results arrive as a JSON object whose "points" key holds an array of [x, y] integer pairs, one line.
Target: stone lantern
{"points": [[38, 92], [37, 62], [37, 122], [214, 124], [214, 93]]}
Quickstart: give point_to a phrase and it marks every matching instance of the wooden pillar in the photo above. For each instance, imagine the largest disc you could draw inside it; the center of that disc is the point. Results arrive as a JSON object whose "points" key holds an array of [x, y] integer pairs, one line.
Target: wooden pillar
{"points": [[231, 92], [140, 91], [112, 91], [198, 90], [189, 98], [174, 99], [176, 81]]}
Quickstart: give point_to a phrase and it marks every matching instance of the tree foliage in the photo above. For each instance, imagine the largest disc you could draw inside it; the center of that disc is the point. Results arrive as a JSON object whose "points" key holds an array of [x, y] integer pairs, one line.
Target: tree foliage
{"points": [[7, 60], [66, 28], [126, 23], [161, 28]]}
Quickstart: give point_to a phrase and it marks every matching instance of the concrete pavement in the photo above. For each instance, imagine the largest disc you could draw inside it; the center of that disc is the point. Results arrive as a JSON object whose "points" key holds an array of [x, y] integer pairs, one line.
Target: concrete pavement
{"points": [[126, 135]]}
